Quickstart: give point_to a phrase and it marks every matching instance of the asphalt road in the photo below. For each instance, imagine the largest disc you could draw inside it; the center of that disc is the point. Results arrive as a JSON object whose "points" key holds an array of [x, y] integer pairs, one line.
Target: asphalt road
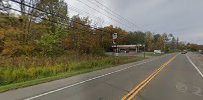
{"points": [[179, 80]]}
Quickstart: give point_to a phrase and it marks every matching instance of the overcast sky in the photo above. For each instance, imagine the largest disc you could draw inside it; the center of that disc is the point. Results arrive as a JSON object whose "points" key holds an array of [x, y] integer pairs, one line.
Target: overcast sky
{"points": [[183, 18]]}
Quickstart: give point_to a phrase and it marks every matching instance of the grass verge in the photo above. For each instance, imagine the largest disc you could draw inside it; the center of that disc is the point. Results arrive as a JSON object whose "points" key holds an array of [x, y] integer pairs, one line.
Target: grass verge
{"points": [[91, 67]]}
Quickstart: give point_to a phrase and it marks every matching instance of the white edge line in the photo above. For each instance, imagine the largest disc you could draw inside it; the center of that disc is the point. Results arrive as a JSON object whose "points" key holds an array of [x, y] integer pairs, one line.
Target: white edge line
{"points": [[194, 66], [78, 83]]}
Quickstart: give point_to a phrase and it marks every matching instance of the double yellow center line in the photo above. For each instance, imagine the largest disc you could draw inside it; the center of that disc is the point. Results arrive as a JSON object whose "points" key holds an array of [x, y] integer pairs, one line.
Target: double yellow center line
{"points": [[140, 86]]}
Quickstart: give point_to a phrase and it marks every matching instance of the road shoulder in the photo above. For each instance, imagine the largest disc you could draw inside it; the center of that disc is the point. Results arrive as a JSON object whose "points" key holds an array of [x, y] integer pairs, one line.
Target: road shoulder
{"points": [[197, 60]]}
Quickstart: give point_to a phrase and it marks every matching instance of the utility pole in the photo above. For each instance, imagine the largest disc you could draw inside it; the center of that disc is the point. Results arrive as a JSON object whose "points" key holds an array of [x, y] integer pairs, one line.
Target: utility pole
{"points": [[22, 7], [114, 41], [144, 50]]}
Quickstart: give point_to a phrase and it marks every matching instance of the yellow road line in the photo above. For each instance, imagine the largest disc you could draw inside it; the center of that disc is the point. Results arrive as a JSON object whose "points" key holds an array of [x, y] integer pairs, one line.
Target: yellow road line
{"points": [[140, 86], [132, 91]]}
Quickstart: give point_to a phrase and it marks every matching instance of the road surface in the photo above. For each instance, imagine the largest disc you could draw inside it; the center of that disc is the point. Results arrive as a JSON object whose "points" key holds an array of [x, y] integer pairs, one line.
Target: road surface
{"points": [[178, 80]]}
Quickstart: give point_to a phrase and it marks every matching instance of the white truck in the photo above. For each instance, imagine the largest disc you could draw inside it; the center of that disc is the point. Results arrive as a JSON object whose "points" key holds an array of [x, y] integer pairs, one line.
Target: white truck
{"points": [[157, 52]]}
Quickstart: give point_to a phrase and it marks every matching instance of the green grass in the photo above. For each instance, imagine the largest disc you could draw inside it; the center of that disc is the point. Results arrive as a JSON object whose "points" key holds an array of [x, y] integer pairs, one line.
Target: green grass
{"points": [[41, 80], [18, 77]]}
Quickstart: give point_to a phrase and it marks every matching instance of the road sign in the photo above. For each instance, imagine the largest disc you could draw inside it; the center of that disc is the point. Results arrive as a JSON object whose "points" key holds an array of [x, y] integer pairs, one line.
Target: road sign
{"points": [[114, 41], [114, 38], [115, 35]]}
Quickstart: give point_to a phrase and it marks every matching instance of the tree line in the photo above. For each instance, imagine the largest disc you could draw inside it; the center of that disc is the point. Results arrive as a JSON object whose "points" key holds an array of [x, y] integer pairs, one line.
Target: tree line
{"points": [[44, 28]]}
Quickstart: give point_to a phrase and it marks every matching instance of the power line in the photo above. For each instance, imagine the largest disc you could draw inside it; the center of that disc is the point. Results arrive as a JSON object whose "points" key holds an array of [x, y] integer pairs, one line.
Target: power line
{"points": [[36, 16], [104, 10], [56, 15], [27, 5], [80, 11], [115, 13], [57, 22], [75, 9], [83, 30], [47, 13], [109, 11], [103, 13], [71, 7]]}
